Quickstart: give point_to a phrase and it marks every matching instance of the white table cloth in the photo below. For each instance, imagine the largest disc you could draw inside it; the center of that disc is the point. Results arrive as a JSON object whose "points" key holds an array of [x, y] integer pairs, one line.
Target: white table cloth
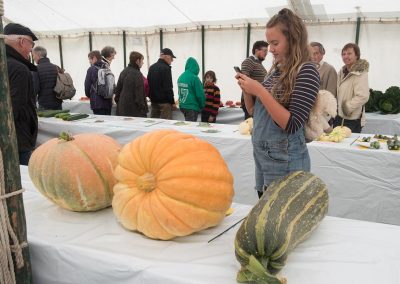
{"points": [[226, 115], [363, 184], [375, 123], [92, 248], [386, 124]]}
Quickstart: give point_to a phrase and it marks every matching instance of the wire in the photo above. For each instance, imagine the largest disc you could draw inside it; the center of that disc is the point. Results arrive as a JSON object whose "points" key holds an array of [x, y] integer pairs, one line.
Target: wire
{"points": [[181, 12]]}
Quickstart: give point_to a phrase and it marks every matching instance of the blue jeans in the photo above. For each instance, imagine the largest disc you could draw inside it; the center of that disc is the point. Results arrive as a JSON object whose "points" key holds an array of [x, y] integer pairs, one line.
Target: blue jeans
{"points": [[190, 114], [24, 157]]}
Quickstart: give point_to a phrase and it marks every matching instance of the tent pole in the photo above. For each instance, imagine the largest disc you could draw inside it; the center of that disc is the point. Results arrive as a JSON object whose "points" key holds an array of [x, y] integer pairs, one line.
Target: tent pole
{"points": [[358, 29], [146, 40], [90, 42], [248, 40], [161, 39], [12, 177], [202, 52], [61, 55], [124, 46]]}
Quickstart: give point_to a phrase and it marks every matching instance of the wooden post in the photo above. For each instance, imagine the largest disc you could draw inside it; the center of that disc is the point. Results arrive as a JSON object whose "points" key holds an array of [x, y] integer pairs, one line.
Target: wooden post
{"points": [[202, 53], [248, 40], [90, 42], [61, 55], [124, 46], [8, 145]]}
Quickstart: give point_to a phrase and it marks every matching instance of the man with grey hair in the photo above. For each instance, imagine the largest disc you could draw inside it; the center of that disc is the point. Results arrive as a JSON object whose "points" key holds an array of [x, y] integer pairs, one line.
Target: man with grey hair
{"points": [[326, 71], [47, 75], [19, 42]]}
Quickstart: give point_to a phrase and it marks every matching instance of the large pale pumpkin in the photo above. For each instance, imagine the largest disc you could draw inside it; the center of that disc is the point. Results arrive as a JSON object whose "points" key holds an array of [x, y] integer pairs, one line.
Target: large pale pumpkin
{"points": [[171, 184], [76, 172]]}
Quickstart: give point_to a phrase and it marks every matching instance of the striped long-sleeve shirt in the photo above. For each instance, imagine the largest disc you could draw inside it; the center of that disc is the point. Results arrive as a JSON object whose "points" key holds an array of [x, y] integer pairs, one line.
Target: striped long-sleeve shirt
{"points": [[213, 98], [253, 68], [303, 96]]}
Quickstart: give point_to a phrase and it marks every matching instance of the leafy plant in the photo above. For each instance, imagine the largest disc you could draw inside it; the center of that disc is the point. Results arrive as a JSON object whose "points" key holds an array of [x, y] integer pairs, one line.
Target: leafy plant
{"points": [[390, 101], [373, 103]]}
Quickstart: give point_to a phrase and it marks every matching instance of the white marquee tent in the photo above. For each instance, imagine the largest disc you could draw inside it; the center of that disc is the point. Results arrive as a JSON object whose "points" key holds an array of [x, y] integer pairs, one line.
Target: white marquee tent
{"points": [[333, 23]]}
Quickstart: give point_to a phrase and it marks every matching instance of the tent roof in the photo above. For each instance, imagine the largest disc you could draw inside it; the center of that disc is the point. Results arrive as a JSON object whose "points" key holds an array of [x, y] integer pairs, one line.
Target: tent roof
{"points": [[59, 17]]}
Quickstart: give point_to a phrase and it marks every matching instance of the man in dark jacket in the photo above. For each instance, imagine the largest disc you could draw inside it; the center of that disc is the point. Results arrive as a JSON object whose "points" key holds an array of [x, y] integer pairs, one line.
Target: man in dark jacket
{"points": [[19, 42], [161, 88], [47, 73]]}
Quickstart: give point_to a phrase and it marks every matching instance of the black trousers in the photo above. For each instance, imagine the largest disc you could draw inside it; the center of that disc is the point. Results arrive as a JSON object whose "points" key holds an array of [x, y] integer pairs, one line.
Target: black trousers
{"points": [[205, 116], [102, 111], [353, 124]]}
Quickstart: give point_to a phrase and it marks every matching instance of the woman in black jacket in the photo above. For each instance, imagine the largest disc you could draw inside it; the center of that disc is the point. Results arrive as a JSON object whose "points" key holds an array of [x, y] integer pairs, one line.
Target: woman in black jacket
{"points": [[130, 95]]}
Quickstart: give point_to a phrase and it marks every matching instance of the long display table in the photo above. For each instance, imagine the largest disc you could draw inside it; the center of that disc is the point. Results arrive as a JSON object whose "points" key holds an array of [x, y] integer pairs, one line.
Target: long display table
{"points": [[376, 123], [92, 248], [226, 115], [363, 184]]}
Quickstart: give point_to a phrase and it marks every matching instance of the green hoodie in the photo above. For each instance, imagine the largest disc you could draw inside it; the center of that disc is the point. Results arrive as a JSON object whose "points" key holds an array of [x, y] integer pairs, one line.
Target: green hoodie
{"points": [[190, 88]]}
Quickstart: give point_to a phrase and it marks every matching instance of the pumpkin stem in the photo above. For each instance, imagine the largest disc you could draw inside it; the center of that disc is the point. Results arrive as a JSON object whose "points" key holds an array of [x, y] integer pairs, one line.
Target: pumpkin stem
{"points": [[66, 136], [146, 182]]}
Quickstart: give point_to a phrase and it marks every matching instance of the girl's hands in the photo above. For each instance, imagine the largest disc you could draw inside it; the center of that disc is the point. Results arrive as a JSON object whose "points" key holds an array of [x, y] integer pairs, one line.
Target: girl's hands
{"points": [[248, 85]]}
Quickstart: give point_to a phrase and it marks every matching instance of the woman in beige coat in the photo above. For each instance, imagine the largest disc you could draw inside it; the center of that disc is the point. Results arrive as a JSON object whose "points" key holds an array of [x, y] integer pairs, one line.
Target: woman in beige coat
{"points": [[352, 89]]}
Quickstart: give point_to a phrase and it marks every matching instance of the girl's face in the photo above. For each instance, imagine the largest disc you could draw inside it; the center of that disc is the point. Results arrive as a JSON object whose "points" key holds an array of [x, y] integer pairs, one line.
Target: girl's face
{"points": [[209, 79], [349, 57], [278, 44]]}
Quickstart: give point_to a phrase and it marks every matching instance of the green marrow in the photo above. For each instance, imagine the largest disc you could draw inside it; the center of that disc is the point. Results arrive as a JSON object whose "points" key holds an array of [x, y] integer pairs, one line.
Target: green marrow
{"points": [[289, 210], [51, 113], [76, 116]]}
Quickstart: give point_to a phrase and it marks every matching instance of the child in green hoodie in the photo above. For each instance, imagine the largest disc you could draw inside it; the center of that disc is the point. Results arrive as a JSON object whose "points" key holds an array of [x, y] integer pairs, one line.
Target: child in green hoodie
{"points": [[190, 91]]}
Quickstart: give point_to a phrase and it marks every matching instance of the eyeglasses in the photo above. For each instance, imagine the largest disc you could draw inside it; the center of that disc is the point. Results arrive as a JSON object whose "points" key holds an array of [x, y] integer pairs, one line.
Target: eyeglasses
{"points": [[28, 39]]}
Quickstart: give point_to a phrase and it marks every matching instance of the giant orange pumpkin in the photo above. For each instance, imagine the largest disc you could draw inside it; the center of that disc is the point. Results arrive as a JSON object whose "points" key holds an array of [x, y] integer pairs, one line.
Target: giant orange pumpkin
{"points": [[171, 184], [76, 172]]}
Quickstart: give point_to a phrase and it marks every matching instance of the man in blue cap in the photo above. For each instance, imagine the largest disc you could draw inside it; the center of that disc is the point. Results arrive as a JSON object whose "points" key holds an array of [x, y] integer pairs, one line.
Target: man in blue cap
{"points": [[19, 42], [161, 88]]}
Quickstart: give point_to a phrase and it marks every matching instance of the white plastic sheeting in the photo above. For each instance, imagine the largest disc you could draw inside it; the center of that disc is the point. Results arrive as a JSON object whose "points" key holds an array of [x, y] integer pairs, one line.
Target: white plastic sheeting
{"points": [[331, 23], [59, 16]]}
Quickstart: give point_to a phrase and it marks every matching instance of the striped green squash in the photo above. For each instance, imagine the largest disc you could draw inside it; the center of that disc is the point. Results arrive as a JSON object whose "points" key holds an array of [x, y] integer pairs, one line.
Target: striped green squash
{"points": [[289, 210]]}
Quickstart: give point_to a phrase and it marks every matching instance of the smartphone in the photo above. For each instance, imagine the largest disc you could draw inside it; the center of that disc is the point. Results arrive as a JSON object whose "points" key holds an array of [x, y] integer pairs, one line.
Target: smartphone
{"points": [[237, 69]]}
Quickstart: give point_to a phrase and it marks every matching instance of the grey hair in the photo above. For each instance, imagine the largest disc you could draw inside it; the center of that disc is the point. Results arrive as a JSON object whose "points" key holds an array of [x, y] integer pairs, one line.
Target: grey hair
{"points": [[319, 45], [107, 51], [41, 51]]}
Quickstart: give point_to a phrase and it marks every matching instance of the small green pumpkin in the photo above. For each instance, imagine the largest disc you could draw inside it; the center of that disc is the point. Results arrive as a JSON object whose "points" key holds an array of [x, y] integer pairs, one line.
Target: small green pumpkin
{"points": [[289, 210]]}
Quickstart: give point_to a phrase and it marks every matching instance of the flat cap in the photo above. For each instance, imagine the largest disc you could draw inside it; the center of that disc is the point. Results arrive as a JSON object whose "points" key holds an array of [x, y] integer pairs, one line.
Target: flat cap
{"points": [[167, 51], [17, 29]]}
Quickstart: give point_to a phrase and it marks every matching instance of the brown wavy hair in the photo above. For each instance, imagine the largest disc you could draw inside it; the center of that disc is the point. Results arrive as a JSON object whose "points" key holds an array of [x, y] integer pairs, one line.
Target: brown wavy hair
{"points": [[295, 31]]}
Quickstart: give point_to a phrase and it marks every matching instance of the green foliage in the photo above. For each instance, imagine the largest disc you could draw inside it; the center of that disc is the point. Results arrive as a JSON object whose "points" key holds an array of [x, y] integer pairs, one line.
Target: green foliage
{"points": [[390, 101], [393, 91], [373, 103]]}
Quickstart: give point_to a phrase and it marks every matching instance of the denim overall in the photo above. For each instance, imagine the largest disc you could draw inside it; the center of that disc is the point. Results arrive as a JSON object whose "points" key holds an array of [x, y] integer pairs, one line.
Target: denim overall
{"points": [[276, 152]]}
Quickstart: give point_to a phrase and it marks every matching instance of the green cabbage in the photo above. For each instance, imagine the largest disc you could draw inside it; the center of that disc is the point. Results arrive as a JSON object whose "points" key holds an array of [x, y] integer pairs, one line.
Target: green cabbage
{"points": [[390, 101]]}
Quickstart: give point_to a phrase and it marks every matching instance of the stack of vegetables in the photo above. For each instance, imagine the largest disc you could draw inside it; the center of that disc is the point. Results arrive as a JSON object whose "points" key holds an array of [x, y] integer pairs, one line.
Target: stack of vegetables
{"points": [[63, 114], [337, 134], [386, 103]]}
